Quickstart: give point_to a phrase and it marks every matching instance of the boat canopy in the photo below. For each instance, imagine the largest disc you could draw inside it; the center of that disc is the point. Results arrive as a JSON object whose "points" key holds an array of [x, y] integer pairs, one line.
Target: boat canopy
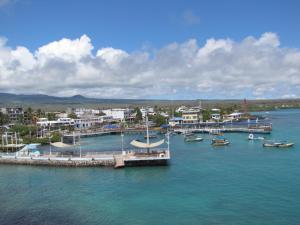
{"points": [[60, 145], [145, 145]]}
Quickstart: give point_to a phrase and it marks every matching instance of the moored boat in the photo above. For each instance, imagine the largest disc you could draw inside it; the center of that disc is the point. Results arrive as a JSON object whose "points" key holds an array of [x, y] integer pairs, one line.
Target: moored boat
{"points": [[193, 139], [220, 141], [283, 144]]}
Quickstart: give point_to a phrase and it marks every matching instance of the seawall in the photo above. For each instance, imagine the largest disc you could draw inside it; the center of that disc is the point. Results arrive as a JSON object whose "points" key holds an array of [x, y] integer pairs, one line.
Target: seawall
{"points": [[62, 162]]}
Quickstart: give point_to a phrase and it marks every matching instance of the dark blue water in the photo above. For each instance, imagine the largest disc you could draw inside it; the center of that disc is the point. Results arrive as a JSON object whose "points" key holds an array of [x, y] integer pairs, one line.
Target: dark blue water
{"points": [[240, 184]]}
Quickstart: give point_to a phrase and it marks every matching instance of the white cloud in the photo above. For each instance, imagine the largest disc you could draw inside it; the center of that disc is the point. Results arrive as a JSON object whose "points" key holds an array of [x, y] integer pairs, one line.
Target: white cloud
{"points": [[66, 49], [112, 56], [222, 68]]}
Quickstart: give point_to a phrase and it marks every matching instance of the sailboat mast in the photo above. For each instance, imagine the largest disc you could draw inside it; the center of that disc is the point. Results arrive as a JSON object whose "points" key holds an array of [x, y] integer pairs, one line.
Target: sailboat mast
{"points": [[147, 129]]}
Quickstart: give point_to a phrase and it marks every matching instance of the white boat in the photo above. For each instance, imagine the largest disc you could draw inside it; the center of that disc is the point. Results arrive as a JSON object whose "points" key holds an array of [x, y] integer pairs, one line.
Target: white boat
{"points": [[252, 137], [193, 139]]}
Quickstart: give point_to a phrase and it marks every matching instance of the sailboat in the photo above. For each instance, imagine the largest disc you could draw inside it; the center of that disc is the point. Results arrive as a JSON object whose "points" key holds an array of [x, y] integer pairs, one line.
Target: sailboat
{"points": [[148, 153]]}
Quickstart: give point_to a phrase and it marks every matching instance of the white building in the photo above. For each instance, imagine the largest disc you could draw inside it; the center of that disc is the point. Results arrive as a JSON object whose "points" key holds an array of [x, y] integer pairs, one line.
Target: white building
{"points": [[80, 112], [118, 114], [216, 114], [234, 116], [44, 122], [147, 110], [181, 109]]}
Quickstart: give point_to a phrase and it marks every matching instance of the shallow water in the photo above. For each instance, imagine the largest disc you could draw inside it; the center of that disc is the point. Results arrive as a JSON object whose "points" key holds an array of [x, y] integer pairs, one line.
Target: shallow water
{"points": [[239, 184]]}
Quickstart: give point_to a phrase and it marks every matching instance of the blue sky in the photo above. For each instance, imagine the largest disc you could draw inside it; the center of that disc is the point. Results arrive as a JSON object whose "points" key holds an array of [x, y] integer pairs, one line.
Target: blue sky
{"points": [[151, 49], [133, 24]]}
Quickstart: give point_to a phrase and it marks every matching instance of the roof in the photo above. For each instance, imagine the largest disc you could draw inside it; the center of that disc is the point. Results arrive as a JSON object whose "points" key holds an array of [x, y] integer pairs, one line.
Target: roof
{"points": [[176, 118]]}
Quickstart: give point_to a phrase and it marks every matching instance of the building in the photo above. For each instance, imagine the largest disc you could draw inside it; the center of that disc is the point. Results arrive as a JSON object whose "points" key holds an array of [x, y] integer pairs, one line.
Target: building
{"points": [[118, 114], [15, 114], [215, 114], [44, 122], [192, 116], [181, 109], [88, 122], [235, 116], [147, 110]]}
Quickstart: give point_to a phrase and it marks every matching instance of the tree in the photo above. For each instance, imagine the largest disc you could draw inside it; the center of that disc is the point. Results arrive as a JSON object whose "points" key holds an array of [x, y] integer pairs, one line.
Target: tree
{"points": [[72, 115], [139, 115], [206, 115], [3, 118], [159, 120], [29, 118], [51, 116], [40, 113]]}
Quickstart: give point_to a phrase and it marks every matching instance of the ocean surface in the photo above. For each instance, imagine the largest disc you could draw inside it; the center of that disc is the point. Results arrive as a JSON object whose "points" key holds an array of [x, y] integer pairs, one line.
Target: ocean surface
{"points": [[240, 184]]}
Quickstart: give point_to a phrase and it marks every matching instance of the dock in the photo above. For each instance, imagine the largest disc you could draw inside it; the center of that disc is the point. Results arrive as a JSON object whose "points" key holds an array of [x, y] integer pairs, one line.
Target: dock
{"points": [[96, 159], [224, 130], [119, 161]]}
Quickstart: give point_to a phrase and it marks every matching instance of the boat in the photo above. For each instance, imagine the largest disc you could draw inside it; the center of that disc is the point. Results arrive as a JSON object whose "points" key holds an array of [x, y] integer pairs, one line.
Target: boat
{"points": [[252, 137], [146, 154], [193, 139], [282, 144], [220, 141]]}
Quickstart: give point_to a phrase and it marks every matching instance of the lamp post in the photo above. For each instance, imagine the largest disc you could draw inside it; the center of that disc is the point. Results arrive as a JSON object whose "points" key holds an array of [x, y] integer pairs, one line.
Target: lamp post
{"points": [[50, 145], [122, 138]]}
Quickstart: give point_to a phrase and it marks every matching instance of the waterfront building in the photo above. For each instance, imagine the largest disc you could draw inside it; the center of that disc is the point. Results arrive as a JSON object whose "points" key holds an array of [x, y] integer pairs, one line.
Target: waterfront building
{"points": [[235, 116], [92, 121], [44, 122], [192, 116]]}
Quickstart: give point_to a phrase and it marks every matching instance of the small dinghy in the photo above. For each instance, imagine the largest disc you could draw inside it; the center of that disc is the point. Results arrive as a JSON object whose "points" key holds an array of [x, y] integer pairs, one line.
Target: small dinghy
{"points": [[252, 137]]}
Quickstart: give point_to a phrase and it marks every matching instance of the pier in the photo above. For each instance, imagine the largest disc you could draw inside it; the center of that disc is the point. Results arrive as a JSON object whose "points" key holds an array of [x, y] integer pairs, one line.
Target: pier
{"points": [[116, 159], [224, 130]]}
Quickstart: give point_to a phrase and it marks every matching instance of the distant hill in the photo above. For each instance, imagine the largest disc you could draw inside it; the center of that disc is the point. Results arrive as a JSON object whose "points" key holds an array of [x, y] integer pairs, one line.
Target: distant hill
{"points": [[53, 103], [39, 100]]}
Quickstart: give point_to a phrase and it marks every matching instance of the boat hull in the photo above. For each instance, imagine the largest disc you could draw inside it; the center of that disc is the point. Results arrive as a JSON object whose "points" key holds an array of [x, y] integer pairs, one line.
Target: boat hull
{"points": [[146, 162], [221, 143]]}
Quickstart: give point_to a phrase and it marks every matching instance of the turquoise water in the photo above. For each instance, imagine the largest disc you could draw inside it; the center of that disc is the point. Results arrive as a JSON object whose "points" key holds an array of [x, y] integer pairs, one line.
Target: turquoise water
{"points": [[239, 184]]}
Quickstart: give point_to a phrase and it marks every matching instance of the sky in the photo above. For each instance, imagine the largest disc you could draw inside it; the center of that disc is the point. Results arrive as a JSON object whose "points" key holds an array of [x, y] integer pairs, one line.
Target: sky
{"points": [[151, 49]]}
